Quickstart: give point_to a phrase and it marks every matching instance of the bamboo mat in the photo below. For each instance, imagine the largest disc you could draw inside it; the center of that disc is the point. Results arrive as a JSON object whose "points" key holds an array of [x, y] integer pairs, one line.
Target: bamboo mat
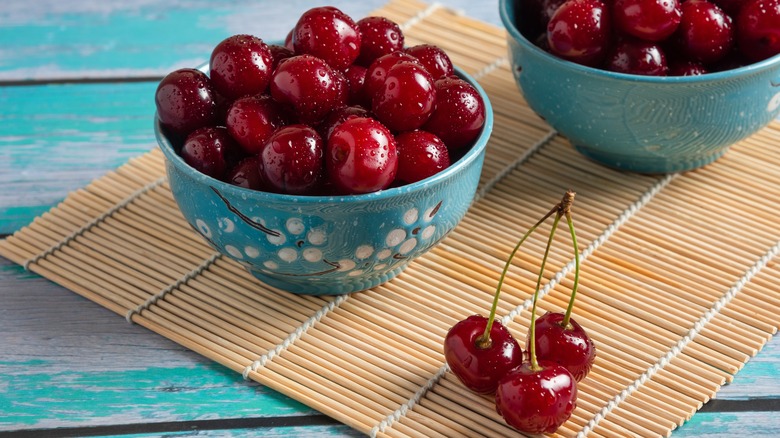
{"points": [[678, 283]]}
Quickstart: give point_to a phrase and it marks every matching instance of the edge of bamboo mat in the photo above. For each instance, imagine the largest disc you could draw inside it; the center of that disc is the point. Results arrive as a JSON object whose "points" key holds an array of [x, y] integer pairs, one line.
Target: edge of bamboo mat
{"points": [[654, 369]]}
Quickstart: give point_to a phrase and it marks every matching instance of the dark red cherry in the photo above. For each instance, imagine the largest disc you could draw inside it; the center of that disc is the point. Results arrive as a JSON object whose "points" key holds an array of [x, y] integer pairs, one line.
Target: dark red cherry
{"points": [[308, 85], [356, 82], [379, 36], [339, 116], [406, 99], [329, 34], [241, 65], [292, 159], [569, 346], [252, 119], [686, 68], [433, 58], [185, 101], [549, 7], [758, 29], [536, 401], [361, 156], [279, 53], [731, 7], [580, 31], [377, 71], [480, 366], [459, 114], [247, 173], [650, 20], [705, 33], [209, 150], [637, 57], [420, 155]]}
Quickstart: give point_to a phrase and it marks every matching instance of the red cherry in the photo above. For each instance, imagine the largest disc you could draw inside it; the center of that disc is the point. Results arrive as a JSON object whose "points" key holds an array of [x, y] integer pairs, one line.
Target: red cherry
{"points": [[731, 7], [185, 101], [339, 116], [307, 84], [407, 97], [379, 36], [433, 58], [292, 159], [356, 81], [420, 155], [209, 150], [579, 31], [361, 156], [536, 400], [377, 71], [279, 53], [568, 346], [480, 367], [650, 20], [241, 65], [548, 9], [705, 33], [247, 173], [686, 68], [758, 29], [252, 119], [459, 114], [329, 34], [637, 57]]}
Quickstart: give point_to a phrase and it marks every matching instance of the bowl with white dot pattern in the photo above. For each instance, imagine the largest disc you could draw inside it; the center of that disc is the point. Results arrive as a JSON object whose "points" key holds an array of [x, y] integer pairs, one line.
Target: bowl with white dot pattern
{"points": [[324, 245]]}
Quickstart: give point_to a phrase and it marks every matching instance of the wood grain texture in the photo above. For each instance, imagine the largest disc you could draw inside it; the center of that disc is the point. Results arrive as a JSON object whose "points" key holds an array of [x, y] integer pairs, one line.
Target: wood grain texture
{"points": [[67, 362]]}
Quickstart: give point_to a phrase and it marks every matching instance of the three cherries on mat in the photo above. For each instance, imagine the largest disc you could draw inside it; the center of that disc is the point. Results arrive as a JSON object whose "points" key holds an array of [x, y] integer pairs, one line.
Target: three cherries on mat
{"points": [[536, 394], [343, 107]]}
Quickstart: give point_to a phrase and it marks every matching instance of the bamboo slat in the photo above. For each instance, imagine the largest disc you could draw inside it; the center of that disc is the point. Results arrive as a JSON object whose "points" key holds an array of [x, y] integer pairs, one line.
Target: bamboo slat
{"points": [[678, 281]]}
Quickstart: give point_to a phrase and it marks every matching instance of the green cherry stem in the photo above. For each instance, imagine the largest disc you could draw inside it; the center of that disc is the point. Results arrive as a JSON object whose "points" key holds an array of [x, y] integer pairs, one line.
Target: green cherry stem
{"points": [[484, 341], [532, 330], [567, 317]]}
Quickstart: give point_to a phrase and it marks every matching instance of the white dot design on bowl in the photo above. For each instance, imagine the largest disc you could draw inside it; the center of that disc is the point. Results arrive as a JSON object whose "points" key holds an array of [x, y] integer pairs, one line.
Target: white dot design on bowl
{"points": [[774, 103]]}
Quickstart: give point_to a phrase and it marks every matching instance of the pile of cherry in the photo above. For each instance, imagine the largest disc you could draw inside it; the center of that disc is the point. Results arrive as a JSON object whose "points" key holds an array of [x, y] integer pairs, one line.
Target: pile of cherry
{"points": [[343, 107], [536, 393], [655, 37]]}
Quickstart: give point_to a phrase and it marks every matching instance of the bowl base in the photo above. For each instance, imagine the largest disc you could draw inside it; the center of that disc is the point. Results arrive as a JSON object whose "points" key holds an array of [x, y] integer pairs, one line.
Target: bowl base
{"points": [[649, 164], [301, 285]]}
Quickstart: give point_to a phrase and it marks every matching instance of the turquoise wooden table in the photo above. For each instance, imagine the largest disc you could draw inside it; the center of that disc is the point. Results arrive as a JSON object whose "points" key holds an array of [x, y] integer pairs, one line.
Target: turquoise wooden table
{"points": [[76, 86]]}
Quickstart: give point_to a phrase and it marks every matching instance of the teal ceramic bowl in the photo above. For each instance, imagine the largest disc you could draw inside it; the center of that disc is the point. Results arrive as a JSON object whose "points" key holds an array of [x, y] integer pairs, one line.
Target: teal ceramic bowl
{"points": [[642, 123], [324, 245]]}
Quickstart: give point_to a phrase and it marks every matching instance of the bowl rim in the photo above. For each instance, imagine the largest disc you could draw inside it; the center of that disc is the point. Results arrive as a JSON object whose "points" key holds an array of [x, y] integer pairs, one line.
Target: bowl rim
{"points": [[514, 32], [479, 146]]}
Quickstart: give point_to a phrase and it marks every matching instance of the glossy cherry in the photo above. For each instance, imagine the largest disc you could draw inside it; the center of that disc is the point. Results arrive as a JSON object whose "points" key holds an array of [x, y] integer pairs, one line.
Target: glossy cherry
{"points": [[637, 57], [459, 114], [279, 53], [480, 363], [377, 72], [210, 151], [356, 85], [251, 120], [308, 85], [329, 34], [536, 399], [361, 156], [567, 345], [650, 20], [292, 160], [185, 101], [339, 116], [758, 29], [406, 99], [247, 174], [705, 33], [420, 155], [379, 36], [240, 65], [433, 58], [580, 31]]}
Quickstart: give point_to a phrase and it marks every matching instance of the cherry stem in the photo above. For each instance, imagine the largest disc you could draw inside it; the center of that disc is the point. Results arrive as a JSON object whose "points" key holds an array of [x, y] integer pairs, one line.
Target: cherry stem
{"points": [[532, 331], [484, 341], [567, 317]]}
